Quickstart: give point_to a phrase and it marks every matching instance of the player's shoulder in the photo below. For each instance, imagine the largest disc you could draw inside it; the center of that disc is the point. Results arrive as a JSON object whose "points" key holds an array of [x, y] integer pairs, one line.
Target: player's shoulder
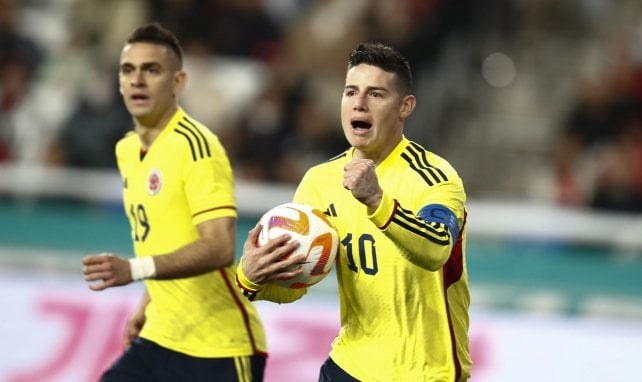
{"points": [[431, 167], [331, 164], [185, 125], [186, 122], [189, 136], [322, 173]]}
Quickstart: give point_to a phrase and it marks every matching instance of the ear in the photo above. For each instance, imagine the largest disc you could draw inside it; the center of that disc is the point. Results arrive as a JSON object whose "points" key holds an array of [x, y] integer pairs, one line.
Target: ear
{"points": [[407, 106], [180, 81]]}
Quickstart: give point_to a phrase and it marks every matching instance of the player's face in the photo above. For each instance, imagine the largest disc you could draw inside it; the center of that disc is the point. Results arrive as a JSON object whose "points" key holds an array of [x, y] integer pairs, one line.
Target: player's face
{"points": [[373, 111], [150, 80]]}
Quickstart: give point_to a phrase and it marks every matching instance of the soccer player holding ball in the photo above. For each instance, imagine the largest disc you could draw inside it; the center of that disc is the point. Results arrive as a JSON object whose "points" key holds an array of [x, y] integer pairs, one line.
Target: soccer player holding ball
{"points": [[399, 211], [192, 324]]}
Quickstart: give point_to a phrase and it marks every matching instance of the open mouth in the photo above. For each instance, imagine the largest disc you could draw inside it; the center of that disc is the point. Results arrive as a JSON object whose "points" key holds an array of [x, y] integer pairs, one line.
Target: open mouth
{"points": [[361, 125], [139, 97]]}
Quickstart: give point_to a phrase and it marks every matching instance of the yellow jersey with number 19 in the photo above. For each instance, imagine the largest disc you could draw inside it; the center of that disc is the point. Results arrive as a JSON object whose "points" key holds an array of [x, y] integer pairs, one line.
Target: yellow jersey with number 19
{"points": [[184, 179]]}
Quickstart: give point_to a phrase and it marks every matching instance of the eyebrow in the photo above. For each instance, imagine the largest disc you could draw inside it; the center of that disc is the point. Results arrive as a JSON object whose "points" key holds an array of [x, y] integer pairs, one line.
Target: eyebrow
{"points": [[368, 88], [144, 65]]}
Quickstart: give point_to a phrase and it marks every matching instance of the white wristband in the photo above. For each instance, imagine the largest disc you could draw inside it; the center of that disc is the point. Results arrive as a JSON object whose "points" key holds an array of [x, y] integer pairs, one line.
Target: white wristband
{"points": [[142, 268]]}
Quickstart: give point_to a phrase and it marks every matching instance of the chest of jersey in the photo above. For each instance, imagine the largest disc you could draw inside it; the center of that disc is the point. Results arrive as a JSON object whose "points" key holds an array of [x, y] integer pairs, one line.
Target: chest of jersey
{"points": [[152, 180], [154, 198], [365, 251]]}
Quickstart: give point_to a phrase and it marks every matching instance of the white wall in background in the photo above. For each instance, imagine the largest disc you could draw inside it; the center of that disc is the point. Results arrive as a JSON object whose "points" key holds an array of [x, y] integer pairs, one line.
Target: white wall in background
{"points": [[53, 329]]}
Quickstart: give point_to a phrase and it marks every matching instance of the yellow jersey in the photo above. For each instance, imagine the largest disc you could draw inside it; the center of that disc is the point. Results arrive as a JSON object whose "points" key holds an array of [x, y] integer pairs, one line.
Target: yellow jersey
{"points": [[402, 278], [184, 179]]}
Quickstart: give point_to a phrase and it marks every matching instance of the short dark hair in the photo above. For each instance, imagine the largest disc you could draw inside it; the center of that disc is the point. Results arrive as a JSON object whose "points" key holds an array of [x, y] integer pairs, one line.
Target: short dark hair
{"points": [[386, 58], [155, 33]]}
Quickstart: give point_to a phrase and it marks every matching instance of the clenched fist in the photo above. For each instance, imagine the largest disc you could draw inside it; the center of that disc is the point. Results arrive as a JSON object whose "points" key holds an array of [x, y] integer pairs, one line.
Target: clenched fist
{"points": [[361, 179]]}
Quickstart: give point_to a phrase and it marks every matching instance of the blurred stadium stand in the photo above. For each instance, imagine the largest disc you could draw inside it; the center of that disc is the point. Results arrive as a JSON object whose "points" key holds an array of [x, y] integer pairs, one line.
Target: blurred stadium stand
{"points": [[496, 83]]}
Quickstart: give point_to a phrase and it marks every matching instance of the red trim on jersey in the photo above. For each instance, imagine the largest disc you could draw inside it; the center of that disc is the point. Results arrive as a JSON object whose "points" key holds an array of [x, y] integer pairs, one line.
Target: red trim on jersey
{"points": [[394, 210], [453, 269], [213, 209], [246, 318]]}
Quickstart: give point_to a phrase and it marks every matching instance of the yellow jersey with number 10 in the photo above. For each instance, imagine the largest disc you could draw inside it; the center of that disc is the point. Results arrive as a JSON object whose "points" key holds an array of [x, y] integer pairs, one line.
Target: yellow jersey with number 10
{"points": [[403, 284]]}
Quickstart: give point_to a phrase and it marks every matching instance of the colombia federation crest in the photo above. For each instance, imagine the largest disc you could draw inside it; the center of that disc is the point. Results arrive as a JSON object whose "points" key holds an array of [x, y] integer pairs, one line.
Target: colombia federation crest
{"points": [[154, 182]]}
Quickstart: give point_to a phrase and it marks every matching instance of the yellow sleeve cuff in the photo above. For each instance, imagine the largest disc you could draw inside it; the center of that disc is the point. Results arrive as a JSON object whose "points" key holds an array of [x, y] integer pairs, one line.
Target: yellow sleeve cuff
{"points": [[243, 282], [383, 214]]}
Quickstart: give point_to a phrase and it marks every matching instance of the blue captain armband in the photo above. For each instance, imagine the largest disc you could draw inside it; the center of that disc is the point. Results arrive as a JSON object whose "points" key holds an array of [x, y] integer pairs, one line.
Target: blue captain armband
{"points": [[437, 213]]}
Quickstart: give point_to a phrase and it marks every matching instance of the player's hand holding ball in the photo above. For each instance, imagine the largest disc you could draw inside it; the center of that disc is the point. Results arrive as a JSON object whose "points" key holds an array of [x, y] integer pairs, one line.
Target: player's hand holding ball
{"points": [[263, 264], [297, 245]]}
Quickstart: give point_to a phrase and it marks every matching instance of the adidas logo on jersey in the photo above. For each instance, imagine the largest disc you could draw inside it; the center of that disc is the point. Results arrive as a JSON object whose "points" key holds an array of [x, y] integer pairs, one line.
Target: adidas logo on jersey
{"points": [[331, 211]]}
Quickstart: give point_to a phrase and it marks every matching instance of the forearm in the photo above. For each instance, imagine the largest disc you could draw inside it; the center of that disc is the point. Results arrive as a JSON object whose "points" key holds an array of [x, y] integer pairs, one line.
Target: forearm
{"points": [[201, 256], [213, 250], [426, 244]]}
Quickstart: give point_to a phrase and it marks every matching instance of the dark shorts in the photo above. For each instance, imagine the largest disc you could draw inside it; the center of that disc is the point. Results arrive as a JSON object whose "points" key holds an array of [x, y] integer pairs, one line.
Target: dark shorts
{"points": [[145, 361], [331, 372]]}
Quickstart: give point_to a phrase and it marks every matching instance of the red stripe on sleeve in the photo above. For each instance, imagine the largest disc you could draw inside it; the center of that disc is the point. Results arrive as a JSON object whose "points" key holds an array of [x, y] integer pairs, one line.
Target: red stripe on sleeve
{"points": [[394, 211]]}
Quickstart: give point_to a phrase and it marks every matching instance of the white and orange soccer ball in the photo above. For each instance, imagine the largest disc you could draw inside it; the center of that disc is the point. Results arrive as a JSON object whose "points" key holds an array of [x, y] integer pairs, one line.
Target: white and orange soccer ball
{"points": [[312, 228]]}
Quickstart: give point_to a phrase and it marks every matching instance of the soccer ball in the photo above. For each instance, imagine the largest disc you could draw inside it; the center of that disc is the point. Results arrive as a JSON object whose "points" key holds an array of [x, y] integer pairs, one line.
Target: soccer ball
{"points": [[312, 228]]}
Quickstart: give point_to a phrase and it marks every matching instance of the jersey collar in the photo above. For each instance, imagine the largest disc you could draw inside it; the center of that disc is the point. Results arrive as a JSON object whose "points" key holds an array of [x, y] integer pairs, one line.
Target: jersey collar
{"points": [[392, 157], [178, 115]]}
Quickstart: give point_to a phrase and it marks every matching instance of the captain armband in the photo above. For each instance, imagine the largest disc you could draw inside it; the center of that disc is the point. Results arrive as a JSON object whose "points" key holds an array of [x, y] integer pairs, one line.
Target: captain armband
{"points": [[438, 213], [142, 268]]}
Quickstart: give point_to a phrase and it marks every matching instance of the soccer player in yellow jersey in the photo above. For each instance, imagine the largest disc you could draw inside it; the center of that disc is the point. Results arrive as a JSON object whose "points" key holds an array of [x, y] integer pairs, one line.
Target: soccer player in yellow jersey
{"points": [[193, 324], [400, 214]]}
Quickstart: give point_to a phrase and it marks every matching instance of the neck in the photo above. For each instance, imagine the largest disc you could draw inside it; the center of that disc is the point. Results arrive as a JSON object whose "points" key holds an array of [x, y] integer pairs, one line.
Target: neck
{"points": [[378, 154], [149, 128]]}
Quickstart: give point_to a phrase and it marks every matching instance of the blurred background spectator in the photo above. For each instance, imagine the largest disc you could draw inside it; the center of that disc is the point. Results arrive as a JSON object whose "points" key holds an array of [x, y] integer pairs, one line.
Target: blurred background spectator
{"points": [[20, 56], [88, 136], [545, 96], [597, 157]]}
